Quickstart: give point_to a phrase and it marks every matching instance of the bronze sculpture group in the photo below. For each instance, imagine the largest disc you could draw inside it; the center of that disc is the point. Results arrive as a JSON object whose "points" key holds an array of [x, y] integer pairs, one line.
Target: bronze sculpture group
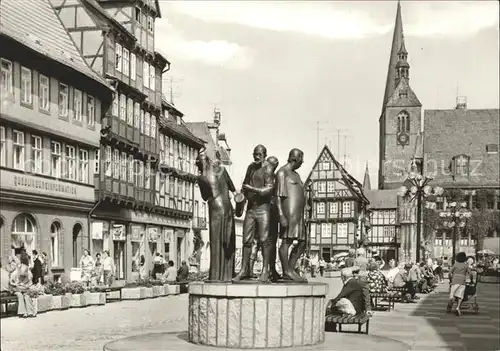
{"points": [[275, 206]]}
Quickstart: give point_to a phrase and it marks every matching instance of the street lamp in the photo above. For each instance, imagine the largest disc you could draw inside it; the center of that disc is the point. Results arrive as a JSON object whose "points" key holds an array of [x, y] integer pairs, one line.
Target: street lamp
{"points": [[417, 186], [454, 217]]}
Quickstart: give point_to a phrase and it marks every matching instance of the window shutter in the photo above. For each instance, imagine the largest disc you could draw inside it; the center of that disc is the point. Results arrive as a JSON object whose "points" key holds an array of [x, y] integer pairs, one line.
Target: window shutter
{"points": [[350, 228]]}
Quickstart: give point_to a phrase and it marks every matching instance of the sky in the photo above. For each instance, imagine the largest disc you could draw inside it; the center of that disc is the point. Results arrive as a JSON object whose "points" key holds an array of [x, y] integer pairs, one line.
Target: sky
{"points": [[301, 74]]}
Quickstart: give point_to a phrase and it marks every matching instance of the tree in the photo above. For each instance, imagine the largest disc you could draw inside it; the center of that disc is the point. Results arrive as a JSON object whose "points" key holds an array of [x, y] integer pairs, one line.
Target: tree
{"points": [[481, 224]]}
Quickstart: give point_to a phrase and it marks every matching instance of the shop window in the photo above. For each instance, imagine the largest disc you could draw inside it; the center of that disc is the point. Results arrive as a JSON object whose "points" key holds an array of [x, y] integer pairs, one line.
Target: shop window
{"points": [[56, 245], [24, 232]]}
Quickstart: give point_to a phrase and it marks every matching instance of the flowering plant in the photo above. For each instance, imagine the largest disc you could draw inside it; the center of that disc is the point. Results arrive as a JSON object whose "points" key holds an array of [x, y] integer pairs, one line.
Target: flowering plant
{"points": [[35, 290], [75, 288], [55, 288]]}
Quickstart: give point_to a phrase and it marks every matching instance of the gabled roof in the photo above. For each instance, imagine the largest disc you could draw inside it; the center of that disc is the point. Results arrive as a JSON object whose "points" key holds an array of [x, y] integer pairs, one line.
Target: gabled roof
{"points": [[403, 96], [181, 130], [200, 129], [34, 24], [382, 199], [349, 180]]}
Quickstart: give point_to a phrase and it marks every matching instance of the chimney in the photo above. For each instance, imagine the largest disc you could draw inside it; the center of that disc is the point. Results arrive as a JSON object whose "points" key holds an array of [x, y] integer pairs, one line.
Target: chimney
{"points": [[461, 103], [217, 117]]}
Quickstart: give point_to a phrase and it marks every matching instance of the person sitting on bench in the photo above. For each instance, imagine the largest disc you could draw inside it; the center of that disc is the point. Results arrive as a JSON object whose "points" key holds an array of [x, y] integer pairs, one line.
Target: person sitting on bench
{"points": [[403, 280], [4, 281], [351, 300]]}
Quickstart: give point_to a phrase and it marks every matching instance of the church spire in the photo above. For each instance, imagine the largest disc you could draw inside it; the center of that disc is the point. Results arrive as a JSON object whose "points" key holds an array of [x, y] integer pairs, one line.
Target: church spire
{"points": [[399, 56], [366, 180]]}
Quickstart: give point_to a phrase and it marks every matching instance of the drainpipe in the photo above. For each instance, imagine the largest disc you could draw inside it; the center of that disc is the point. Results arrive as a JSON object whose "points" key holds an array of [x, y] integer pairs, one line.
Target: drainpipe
{"points": [[90, 225]]}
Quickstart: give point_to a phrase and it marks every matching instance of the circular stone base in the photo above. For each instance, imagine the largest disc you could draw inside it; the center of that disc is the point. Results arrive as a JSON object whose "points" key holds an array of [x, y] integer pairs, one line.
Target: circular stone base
{"points": [[179, 341]]}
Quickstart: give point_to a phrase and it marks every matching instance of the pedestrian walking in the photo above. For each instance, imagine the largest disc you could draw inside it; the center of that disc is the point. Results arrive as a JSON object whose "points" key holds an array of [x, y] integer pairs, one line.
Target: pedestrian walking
{"points": [[322, 265]]}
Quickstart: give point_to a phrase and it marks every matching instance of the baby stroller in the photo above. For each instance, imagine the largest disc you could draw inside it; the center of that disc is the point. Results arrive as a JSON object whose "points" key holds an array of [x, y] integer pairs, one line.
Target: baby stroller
{"points": [[470, 295]]}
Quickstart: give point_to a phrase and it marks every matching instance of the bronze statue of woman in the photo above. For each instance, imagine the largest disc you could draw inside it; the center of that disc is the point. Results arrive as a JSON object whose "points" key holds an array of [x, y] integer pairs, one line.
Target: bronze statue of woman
{"points": [[215, 185]]}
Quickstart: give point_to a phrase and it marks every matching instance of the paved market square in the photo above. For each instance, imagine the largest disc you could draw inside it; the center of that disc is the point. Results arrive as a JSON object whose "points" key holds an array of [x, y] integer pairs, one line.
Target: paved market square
{"points": [[422, 326]]}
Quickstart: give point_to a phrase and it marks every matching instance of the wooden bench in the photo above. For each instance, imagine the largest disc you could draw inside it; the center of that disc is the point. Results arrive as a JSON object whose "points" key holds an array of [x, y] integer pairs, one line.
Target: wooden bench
{"points": [[398, 293], [5, 300], [359, 319], [388, 296], [110, 290]]}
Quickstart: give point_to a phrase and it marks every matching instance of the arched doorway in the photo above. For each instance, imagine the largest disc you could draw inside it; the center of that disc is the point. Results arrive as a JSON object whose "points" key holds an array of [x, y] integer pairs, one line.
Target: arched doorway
{"points": [[77, 243], [24, 233]]}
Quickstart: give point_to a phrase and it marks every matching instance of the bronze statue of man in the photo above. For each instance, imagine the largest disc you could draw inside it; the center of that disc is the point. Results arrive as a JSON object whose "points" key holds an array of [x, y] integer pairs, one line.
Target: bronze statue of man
{"points": [[258, 189], [271, 165], [291, 201], [215, 185]]}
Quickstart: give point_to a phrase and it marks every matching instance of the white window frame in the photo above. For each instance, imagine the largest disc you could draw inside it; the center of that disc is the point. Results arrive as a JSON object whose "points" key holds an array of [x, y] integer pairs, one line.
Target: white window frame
{"points": [[77, 105], [108, 161], [137, 115], [126, 62], [320, 208], [346, 208], [322, 186], [3, 145], [140, 174], [118, 57], [36, 153], [63, 100], [43, 92], [26, 85], [147, 119], [116, 164], [83, 166], [97, 160], [6, 77], [90, 110], [330, 186], [142, 122], [124, 163], [123, 107], [152, 75], [150, 24], [153, 127], [133, 66], [55, 159], [333, 208], [145, 76], [54, 243], [326, 230], [342, 230], [116, 109], [19, 144], [130, 112], [147, 176], [131, 169], [70, 162]]}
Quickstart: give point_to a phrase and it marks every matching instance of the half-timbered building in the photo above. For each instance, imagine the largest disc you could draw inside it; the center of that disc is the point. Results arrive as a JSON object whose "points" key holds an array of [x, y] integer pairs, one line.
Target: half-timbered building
{"points": [[50, 125], [134, 217], [338, 207]]}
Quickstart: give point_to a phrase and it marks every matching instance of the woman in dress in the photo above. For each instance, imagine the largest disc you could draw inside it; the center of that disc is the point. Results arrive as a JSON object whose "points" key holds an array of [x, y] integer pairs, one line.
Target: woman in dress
{"points": [[458, 277], [21, 281], [87, 266]]}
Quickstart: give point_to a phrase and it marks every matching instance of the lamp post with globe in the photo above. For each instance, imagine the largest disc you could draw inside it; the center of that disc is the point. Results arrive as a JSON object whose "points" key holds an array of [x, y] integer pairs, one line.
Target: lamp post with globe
{"points": [[454, 217], [417, 186]]}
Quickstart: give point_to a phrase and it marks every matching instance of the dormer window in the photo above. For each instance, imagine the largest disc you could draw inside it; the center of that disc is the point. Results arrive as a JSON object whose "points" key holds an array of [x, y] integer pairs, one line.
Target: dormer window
{"points": [[460, 165]]}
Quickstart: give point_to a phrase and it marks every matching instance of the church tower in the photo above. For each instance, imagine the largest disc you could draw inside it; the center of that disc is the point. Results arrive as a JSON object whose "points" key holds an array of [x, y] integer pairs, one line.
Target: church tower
{"points": [[400, 119]]}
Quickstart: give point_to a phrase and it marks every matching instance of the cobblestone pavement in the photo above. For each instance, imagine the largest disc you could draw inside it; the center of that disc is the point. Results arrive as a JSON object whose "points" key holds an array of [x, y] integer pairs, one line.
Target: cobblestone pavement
{"points": [[423, 326]]}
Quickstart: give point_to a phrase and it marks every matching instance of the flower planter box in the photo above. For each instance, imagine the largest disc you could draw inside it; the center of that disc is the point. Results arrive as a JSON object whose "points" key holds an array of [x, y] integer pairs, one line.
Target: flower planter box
{"points": [[60, 302], [78, 300], [157, 290], [44, 303], [134, 293], [173, 289], [148, 294], [96, 298]]}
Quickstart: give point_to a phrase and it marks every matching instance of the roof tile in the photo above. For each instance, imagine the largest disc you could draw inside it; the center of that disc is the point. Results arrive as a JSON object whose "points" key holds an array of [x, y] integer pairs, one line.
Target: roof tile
{"points": [[35, 25]]}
